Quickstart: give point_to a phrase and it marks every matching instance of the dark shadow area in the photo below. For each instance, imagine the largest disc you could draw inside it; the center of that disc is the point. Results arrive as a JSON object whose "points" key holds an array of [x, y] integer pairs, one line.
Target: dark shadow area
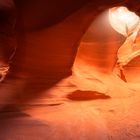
{"points": [[21, 126], [87, 95], [37, 16], [123, 76], [9, 108]]}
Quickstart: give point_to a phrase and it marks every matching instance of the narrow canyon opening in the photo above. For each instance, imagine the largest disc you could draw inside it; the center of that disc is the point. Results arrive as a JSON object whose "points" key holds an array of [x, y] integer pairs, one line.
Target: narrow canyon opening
{"points": [[44, 95], [108, 56]]}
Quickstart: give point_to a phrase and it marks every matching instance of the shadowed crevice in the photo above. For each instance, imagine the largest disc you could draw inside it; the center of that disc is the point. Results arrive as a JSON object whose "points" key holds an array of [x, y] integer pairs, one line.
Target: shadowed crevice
{"points": [[86, 95]]}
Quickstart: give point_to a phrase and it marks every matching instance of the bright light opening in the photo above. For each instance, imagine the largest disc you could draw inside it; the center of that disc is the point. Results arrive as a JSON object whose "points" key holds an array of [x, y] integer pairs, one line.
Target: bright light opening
{"points": [[123, 20]]}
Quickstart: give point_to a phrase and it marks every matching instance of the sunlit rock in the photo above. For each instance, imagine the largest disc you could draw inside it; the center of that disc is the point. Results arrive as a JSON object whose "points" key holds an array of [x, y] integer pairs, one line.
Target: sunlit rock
{"points": [[97, 57]]}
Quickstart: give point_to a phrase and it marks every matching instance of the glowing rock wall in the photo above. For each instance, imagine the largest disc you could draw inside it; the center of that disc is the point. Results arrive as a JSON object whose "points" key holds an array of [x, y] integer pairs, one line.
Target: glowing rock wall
{"points": [[45, 55], [109, 47]]}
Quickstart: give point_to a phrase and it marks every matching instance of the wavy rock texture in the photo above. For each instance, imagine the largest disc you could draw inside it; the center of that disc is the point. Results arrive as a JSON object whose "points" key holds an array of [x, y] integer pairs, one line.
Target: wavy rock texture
{"points": [[40, 99]]}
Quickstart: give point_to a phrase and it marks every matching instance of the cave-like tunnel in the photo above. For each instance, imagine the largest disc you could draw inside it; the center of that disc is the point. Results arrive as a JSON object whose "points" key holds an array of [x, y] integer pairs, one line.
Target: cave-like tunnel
{"points": [[69, 70]]}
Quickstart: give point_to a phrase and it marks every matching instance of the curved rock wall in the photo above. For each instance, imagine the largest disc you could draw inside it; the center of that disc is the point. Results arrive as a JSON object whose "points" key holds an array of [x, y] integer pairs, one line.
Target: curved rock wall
{"points": [[46, 50]]}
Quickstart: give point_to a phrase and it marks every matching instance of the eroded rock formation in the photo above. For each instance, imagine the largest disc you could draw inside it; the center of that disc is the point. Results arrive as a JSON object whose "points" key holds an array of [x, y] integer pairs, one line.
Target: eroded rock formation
{"points": [[36, 102]]}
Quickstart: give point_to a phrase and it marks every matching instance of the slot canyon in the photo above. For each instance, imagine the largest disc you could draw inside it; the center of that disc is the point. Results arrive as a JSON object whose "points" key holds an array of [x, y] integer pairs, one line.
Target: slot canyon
{"points": [[69, 70]]}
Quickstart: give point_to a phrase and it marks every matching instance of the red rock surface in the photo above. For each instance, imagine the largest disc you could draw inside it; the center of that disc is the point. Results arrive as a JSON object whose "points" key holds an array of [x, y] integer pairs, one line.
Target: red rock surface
{"points": [[37, 103]]}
